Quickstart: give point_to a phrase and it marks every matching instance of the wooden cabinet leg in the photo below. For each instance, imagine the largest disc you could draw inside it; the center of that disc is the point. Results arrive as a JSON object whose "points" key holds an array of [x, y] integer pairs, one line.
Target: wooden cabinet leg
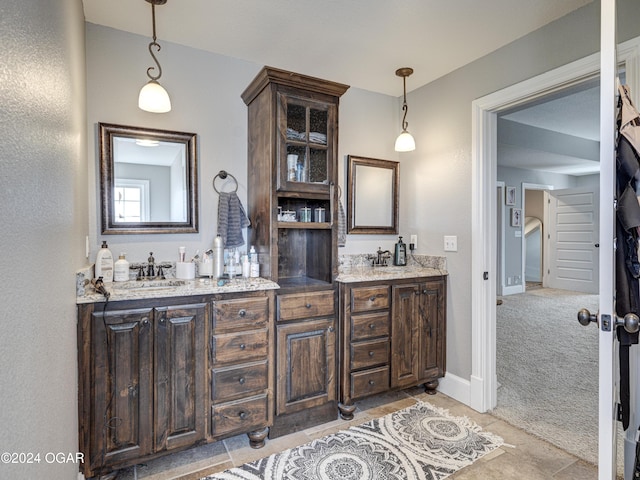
{"points": [[256, 438], [430, 387], [346, 411]]}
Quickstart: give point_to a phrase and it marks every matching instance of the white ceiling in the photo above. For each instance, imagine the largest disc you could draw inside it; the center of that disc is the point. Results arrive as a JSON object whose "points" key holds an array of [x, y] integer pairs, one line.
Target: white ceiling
{"points": [[357, 42], [574, 113]]}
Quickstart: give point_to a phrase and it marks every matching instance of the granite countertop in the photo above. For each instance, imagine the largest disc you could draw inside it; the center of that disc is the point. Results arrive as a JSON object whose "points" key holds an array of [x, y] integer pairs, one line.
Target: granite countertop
{"points": [[171, 287], [371, 274]]}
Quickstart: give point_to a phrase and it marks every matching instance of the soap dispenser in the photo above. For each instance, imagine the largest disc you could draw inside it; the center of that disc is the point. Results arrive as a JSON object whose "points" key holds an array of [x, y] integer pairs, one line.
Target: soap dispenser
{"points": [[104, 263], [400, 257]]}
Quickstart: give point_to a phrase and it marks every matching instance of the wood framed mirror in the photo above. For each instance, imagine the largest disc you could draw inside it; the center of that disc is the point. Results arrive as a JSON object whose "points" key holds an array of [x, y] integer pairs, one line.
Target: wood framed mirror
{"points": [[148, 180], [372, 195]]}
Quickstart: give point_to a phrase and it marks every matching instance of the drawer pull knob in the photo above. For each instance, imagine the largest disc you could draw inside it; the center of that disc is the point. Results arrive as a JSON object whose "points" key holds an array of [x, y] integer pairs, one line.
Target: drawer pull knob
{"points": [[242, 346], [242, 312], [372, 326], [372, 298], [371, 354], [308, 305], [371, 382], [241, 380], [243, 415]]}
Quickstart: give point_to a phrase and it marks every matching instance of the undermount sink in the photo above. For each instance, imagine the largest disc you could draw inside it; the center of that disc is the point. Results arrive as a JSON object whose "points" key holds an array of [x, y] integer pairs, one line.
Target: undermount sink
{"points": [[149, 284]]}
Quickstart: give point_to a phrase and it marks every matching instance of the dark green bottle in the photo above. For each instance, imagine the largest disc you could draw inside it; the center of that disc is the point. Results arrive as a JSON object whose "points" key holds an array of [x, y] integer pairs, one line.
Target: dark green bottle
{"points": [[400, 257]]}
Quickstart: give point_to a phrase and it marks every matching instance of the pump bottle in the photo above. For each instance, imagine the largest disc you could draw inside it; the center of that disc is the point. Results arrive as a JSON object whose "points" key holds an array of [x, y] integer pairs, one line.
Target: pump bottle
{"points": [[104, 263], [400, 257]]}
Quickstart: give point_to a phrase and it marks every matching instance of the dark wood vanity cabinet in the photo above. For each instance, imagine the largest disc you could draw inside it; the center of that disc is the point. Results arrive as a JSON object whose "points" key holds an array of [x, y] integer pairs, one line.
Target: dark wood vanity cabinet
{"points": [[392, 336], [306, 385], [161, 375], [142, 381], [292, 205]]}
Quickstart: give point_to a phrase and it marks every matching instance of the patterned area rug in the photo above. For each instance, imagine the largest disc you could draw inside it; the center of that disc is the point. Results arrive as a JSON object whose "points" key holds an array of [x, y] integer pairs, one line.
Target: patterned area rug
{"points": [[421, 442]]}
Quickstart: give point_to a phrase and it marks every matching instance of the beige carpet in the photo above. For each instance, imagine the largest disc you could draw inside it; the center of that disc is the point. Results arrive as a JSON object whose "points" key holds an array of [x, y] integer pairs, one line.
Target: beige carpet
{"points": [[547, 368]]}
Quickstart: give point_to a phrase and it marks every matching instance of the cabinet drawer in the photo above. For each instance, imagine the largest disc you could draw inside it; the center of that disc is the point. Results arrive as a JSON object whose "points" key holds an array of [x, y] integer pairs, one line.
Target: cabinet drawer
{"points": [[364, 299], [239, 347], [369, 326], [240, 313], [369, 382], [240, 416], [368, 354], [305, 305], [237, 381]]}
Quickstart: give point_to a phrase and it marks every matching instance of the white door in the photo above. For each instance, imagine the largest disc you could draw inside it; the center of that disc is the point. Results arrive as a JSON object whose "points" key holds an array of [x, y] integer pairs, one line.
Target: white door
{"points": [[606, 358], [572, 239]]}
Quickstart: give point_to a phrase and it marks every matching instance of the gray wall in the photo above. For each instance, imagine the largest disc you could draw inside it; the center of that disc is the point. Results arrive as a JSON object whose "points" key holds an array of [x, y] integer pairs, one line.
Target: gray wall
{"points": [[437, 176], [435, 183], [43, 193], [514, 177], [205, 92]]}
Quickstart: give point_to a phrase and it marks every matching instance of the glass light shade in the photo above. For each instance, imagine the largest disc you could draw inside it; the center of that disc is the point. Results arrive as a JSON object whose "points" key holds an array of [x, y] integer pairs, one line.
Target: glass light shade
{"points": [[154, 98], [405, 142]]}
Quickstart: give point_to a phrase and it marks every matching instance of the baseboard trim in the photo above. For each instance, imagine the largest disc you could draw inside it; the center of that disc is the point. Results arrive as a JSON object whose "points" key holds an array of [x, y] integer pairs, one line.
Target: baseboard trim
{"points": [[512, 290], [456, 387]]}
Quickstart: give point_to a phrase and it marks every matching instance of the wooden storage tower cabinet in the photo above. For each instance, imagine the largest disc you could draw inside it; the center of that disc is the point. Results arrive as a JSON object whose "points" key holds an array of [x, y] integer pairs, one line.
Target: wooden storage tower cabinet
{"points": [[292, 203]]}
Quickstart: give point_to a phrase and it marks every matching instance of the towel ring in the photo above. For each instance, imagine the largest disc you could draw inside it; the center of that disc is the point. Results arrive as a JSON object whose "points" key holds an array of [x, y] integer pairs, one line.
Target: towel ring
{"points": [[223, 174]]}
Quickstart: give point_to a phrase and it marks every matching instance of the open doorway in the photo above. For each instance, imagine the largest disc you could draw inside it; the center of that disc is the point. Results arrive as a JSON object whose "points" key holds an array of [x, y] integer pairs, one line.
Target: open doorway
{"points": [[483, 382], [546, 364]]}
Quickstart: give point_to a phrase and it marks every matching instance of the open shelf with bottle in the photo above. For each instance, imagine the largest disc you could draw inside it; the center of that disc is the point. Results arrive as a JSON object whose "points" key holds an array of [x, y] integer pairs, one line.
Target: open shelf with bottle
{"points": [[305, 213]]}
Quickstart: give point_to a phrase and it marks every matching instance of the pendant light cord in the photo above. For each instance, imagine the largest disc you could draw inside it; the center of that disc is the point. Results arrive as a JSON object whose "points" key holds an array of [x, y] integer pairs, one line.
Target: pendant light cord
{"points": [[405, 107], [157, 46]]}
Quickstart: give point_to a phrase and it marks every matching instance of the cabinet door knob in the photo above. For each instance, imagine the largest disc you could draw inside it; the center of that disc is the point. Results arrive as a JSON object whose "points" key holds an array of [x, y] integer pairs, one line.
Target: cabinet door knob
{"points": [[243, 415], [241, 380], [371, 354], [242, 312], [417, 292], [424, 292], [371, 382], [242, 346]]}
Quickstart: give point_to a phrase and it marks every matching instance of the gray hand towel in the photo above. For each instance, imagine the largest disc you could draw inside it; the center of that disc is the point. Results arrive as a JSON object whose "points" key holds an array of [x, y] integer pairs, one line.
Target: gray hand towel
{"points": [[342, 226], [231, 220]]}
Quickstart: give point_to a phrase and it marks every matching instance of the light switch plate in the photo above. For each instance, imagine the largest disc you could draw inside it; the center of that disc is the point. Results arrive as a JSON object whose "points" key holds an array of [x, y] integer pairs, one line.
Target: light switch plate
{"points": [[450, 243]]}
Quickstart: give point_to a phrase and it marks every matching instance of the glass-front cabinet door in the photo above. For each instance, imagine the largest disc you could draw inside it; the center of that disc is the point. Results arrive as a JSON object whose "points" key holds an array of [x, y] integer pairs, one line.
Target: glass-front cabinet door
{"points": [[306, 144]]}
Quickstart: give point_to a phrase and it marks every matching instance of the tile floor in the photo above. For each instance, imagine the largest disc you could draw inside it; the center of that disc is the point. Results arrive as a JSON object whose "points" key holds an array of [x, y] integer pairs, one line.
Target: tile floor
{"points": [[523, 456]]}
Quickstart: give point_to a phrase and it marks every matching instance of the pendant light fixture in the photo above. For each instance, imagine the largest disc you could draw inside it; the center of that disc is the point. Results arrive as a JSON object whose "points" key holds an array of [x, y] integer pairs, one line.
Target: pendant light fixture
{"points": [[405, 142], [153, 97]]}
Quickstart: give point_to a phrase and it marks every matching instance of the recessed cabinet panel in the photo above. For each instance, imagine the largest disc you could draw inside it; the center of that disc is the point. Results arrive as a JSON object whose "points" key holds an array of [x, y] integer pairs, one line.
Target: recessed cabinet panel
{"points": [[121, 422], [180, 376], [306, 371], [404, 336]]}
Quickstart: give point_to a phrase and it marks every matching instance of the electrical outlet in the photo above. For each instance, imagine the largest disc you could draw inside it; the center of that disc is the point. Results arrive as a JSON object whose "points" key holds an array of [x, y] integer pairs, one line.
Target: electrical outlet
{"points": [[414, 241], [450, 243]]}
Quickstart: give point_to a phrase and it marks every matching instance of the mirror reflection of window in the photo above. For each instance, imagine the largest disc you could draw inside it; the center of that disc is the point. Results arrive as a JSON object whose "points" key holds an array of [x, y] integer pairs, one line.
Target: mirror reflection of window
{"points": [[163, 165], [131, 200]]}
